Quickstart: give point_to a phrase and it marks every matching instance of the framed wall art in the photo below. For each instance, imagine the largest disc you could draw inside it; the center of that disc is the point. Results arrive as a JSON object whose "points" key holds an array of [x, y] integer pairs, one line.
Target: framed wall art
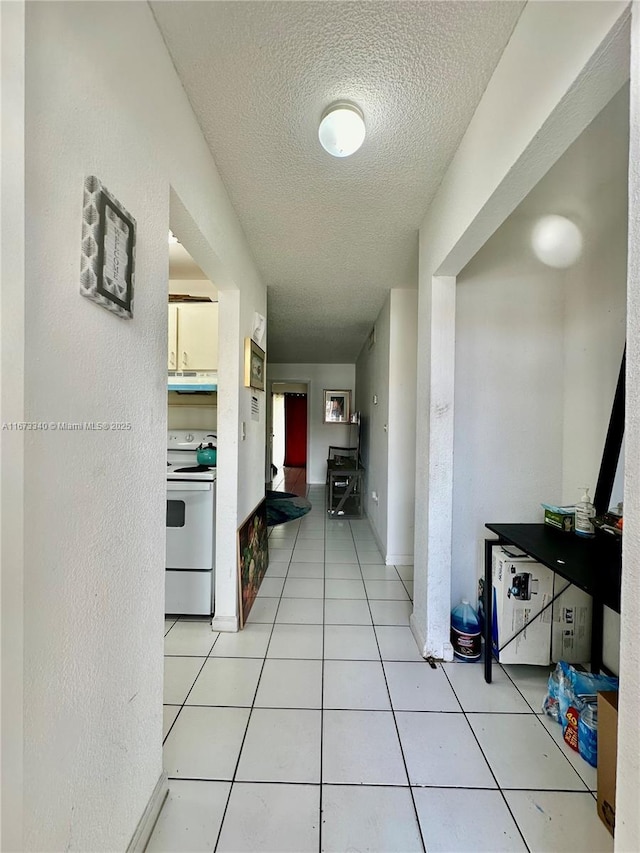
{"points": [[337, 407], [254, 365], [108, 258], [253, 557]]}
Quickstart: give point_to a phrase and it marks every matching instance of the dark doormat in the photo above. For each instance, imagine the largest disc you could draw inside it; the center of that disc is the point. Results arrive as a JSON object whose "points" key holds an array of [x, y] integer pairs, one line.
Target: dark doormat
{"points": [[285, 506]]}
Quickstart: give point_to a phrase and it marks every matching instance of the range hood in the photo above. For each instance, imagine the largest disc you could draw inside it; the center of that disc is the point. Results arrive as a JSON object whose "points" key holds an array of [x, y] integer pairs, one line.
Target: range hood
{"points": [[192, 382]]}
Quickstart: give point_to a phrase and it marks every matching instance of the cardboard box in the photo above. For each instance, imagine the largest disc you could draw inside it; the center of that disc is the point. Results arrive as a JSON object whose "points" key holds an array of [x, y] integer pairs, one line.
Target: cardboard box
{"points": [[562, 518], [607, 757], [521, 588], [571, 630]]}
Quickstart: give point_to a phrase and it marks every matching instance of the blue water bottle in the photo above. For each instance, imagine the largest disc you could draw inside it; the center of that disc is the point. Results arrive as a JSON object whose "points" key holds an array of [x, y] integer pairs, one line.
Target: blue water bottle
{"points": [[465, 632]]}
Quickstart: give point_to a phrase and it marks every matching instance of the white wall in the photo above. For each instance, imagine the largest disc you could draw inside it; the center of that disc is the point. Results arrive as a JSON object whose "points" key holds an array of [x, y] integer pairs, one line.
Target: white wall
{"points": [[387, 371], [508, 397], [103, 98], [277, 430], [536, 104], [538, 350], [321, 435], [12, 293], [192, 411], [403, 341], [628, 776], [372, 379]]}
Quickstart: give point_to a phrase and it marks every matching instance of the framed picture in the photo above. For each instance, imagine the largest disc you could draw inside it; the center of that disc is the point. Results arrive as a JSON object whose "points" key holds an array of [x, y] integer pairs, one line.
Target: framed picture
{"points": [[253, 557], [337, 407], [253, 365], [108, 250]]}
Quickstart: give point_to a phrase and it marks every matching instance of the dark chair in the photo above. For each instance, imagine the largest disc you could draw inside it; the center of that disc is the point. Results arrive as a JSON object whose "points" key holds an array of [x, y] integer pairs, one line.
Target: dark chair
{"points": [[347, 455]]}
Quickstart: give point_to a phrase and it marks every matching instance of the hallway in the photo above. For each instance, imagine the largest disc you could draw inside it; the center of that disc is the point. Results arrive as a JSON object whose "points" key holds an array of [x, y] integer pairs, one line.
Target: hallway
{"points": [[325, 685], [288, 479]]}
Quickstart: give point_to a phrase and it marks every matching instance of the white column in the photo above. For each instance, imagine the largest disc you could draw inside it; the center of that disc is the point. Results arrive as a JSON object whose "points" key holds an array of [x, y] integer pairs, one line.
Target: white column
{"points": [[434, 468], [628, 774], [229, 388], [12, 317]]}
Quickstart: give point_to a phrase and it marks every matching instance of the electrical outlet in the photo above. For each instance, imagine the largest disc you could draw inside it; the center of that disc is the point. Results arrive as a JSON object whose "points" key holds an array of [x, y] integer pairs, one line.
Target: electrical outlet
{"points": [[375, 399], [374, 497]]}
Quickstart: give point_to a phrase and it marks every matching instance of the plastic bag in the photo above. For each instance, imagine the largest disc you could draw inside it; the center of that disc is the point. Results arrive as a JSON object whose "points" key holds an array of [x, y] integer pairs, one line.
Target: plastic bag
{"points": [[568, 692], [550, 704]]}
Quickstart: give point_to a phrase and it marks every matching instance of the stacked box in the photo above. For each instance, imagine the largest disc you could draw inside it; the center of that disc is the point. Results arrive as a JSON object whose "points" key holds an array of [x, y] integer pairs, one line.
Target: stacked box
{"points": [[521, 588], [571, 629], [562, 518]]}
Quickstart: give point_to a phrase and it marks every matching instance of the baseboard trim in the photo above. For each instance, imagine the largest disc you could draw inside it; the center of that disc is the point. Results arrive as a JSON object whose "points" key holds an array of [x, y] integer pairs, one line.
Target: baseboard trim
{"points": [[389, 559], [442, 653], [399, 560], [225, 623], [418, 635], [145, 826], [379, 543]]}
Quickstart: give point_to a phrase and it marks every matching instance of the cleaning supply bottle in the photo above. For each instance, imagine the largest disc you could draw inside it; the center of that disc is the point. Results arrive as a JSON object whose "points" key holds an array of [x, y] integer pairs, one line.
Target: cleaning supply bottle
{"points": [[465, 632], [585, 511]]}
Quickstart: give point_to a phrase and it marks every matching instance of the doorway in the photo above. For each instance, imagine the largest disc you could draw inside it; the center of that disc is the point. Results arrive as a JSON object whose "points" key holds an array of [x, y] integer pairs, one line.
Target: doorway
{"points": [[289, 436]]}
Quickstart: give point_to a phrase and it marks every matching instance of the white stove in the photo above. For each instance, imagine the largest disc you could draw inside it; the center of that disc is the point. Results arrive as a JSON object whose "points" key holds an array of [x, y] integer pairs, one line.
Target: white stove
{"points": [[191, 526], [181, 453]]}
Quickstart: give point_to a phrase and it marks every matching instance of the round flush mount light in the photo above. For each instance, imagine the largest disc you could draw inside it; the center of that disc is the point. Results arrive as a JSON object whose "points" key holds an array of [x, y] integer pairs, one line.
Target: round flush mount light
{"points": [[342, 129], [556, 241]]}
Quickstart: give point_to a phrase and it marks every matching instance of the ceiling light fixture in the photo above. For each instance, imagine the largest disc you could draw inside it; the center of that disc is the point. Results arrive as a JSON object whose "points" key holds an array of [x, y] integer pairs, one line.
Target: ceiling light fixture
{"points": [[342, 129]]}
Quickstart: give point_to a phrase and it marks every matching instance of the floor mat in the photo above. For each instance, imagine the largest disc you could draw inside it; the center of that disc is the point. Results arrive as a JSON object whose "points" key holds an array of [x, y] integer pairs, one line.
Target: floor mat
{"points": [[285, 506]]}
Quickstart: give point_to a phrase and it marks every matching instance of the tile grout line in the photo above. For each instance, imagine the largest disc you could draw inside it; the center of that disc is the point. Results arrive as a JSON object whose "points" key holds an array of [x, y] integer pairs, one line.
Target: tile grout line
{"points": [[184, 702], [244, 737], [393, 712], [324, 604], [495, 778], [386, 785], [538, 716]]}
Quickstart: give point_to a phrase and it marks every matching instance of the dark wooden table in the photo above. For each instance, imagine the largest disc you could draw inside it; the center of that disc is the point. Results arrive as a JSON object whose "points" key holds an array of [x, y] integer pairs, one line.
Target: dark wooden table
{"points": [[593, 565]]}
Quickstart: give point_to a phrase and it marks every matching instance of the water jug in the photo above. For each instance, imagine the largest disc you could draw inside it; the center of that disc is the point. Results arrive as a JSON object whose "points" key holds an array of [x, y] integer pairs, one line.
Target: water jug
{"points": [[588, 733], [465, 632]]}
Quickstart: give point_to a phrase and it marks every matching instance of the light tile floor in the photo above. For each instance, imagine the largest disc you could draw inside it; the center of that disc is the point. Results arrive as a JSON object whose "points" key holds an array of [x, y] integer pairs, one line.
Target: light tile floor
{"points": [[320, 728]]}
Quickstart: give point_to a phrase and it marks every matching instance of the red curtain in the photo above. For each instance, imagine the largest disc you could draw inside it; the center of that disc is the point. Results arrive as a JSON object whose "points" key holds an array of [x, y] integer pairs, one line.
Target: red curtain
{"points": [[295, 430]]}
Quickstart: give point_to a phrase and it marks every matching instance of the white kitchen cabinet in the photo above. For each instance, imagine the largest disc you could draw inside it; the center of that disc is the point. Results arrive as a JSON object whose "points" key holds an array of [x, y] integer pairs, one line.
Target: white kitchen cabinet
{"points": [[193, 336], [172, 347]]}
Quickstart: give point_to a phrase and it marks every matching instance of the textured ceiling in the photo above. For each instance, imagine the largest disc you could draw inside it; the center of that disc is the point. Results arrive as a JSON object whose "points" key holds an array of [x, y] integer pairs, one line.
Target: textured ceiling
{"points": [[330, 236]]}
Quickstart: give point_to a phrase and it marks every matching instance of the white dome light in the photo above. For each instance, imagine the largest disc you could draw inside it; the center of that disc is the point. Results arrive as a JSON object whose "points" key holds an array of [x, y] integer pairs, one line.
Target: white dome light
{"points": [[342, 129], [556, 241]]}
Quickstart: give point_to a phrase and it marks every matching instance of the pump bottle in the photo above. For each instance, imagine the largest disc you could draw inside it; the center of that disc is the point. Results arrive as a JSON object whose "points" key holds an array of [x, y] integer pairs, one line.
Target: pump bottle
{"points": [[585, 511]]}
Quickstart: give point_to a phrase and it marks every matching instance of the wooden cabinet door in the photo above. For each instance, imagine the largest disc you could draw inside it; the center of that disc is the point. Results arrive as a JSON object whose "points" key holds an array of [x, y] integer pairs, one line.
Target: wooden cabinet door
{"points": [[198, 336], [172, 348]]}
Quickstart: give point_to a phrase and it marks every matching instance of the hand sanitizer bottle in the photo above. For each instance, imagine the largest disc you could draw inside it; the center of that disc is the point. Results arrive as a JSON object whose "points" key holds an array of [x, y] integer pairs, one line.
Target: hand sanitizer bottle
{"points": [[585, 511]]}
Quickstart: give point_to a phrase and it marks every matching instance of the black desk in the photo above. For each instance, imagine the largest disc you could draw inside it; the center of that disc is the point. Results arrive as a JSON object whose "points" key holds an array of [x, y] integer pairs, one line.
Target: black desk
{"points": [[593, 565]]}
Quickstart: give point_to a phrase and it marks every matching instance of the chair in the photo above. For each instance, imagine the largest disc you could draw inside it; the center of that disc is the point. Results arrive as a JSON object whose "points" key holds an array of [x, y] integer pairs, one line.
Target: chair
{"points": [[346, 454]]}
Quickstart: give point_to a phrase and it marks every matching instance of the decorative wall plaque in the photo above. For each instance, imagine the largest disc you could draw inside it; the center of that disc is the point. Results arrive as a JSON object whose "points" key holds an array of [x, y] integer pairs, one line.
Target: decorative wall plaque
{"points": [[108, 250]]}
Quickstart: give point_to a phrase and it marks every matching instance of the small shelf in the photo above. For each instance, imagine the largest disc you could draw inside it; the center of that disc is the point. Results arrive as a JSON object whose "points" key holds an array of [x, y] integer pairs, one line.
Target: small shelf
{"points": [[344, 491]]}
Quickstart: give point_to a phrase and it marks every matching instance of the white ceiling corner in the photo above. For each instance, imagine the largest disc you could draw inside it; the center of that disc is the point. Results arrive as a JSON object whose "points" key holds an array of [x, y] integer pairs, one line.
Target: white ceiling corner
{"points": [[331, 237]]}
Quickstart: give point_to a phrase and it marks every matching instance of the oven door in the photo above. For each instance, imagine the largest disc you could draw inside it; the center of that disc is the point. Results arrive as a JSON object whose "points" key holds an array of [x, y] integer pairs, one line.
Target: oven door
{"points": [[190, 525]]}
